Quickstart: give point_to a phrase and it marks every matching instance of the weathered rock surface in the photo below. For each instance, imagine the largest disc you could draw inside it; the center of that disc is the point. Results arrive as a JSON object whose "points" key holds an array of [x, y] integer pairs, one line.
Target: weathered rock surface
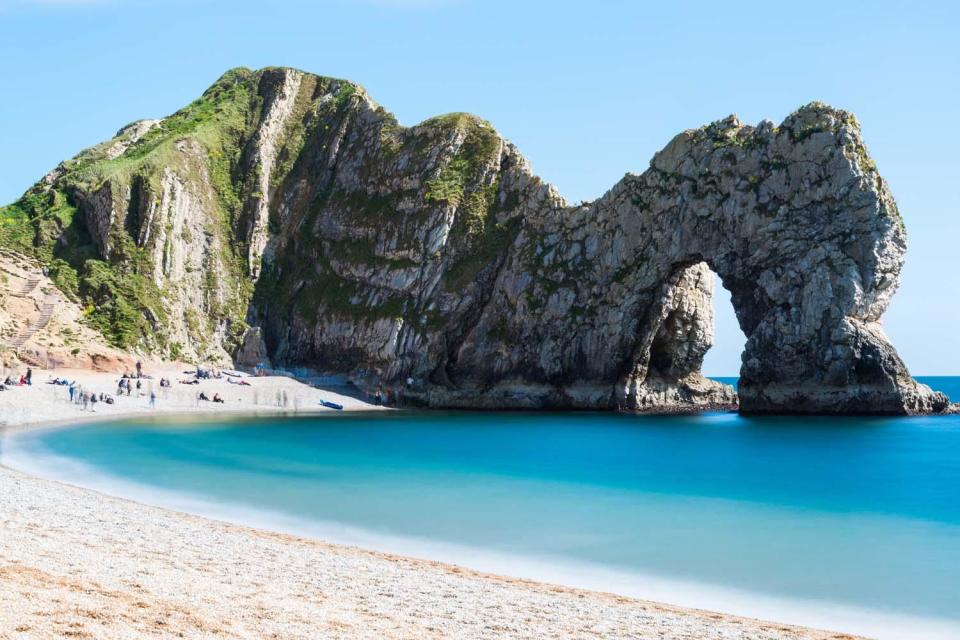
{"points": [[288, 216]]}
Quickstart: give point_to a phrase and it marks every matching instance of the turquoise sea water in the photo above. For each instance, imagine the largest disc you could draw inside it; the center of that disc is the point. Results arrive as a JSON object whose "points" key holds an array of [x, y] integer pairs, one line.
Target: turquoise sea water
{"points": [[847, 523]]}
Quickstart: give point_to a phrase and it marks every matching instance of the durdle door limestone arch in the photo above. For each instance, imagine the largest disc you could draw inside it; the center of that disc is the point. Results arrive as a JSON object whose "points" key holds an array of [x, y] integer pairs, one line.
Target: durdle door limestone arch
{"points": [[799, 226], [805, 234], [285, 217]]}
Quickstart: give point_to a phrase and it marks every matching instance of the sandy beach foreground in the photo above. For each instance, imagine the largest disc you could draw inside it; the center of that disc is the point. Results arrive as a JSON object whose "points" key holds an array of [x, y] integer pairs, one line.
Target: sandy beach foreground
{"points": [[77, 563]]}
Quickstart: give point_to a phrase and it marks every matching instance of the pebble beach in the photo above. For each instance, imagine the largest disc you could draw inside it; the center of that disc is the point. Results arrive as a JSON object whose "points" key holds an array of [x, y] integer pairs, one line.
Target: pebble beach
{"points": [[77, 563]]}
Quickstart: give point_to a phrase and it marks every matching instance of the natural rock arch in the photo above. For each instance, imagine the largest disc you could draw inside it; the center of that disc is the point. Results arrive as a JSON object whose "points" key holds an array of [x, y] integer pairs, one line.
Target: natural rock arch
{"points": [[805, 235], [801, 229]]}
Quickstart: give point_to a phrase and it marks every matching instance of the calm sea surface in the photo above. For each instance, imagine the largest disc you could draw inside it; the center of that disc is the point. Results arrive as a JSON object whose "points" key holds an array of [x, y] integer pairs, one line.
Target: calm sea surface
{"points": [[851, 523]]}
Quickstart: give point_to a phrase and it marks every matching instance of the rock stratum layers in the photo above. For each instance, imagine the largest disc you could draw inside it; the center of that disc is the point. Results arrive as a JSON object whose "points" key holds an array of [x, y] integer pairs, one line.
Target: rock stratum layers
{"points": [[287, 216]]}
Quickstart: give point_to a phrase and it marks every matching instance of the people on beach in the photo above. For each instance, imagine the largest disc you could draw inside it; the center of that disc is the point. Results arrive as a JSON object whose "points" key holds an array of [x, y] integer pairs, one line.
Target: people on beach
{"points": [[153, 400], [29, 376], [217, 398]]}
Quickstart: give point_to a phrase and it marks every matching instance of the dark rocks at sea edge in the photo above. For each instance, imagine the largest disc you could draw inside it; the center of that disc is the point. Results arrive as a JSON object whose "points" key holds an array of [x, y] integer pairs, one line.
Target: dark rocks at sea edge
{"points": [[285, 217]]}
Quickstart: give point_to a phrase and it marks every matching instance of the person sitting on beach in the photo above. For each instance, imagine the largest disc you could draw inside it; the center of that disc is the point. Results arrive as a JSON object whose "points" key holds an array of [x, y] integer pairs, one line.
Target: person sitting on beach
{"points": [[217, 398], [23, 381], [203, 396], [9, 382]]}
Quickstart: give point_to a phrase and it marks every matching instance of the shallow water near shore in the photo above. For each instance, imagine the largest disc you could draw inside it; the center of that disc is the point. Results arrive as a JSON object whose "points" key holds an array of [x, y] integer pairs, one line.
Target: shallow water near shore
{"points": [[845, 523]]}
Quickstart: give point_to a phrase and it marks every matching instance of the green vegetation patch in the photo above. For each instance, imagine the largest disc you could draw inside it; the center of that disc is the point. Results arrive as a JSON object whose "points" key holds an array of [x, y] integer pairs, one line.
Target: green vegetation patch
{"points": [[120, 296]]}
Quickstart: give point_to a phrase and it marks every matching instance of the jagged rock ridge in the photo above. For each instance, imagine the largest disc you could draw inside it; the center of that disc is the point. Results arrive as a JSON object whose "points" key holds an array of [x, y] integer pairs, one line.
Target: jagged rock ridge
{"points": [[287, 215]]}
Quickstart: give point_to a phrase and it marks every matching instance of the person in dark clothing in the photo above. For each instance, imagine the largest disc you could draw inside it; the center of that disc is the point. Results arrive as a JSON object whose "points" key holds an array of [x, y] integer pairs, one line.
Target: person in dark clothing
{"points": [[29, 375]]}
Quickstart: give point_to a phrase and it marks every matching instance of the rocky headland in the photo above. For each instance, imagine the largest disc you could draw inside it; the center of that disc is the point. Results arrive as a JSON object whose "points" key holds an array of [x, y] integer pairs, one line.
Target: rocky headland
{"points": [[285, 217]]}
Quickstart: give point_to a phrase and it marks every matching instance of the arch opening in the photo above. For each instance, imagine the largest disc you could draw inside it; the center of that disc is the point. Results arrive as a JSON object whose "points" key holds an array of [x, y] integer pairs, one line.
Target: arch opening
{"points": [[723, 359]]}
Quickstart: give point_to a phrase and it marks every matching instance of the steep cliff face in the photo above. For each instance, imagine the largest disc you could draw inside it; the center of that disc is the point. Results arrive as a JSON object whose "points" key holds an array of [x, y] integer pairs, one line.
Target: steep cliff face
{"points": [[287, 216]]}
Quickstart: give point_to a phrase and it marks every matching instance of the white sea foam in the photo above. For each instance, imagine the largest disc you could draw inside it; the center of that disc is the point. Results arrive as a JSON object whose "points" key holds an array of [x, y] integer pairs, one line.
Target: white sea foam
{"points": [[23, 452]]}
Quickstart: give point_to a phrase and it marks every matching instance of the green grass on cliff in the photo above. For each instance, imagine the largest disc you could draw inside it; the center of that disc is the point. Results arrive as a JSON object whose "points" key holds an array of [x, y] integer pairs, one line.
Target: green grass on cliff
{"points": [[456, 183], [461, 183], [120, 298]]}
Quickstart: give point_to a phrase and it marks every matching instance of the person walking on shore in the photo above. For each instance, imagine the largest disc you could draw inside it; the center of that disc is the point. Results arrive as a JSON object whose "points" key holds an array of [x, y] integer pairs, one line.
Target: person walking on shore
{"points": [[153, 400]]}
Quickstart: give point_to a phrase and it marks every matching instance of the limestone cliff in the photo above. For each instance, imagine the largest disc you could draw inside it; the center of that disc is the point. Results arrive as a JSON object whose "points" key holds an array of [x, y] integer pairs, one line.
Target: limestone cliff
{"points": [[287, 215]]}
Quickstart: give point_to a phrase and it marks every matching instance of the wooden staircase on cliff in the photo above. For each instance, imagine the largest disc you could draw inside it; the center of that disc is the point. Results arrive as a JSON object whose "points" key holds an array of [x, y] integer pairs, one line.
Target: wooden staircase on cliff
{"points": [[37, 324]]}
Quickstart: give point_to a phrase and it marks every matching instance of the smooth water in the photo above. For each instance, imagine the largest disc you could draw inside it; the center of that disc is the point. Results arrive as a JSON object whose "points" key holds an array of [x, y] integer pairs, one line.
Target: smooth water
{"points": [[848, 523]]}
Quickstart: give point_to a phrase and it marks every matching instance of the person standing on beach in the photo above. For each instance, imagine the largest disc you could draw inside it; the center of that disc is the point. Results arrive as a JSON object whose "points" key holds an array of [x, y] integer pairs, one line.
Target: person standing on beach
{"points": [[153, 400], [29, 376], [71, 390], [139, 370]]}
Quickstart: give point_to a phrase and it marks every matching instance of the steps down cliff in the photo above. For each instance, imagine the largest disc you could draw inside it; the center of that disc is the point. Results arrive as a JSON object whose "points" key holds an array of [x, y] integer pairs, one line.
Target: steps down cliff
{"points": [[289, 217]]}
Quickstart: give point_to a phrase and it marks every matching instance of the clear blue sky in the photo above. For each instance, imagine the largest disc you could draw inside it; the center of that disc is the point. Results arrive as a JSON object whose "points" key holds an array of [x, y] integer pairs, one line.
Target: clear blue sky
{"points": [[588, 90]]}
